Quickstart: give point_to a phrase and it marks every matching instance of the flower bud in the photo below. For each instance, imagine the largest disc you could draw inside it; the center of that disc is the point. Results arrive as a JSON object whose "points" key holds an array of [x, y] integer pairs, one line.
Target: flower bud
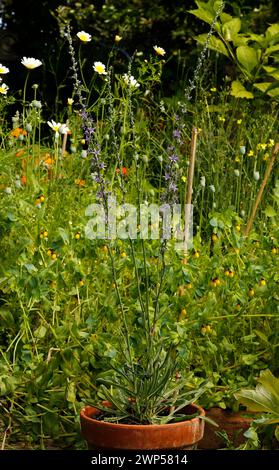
{"points": [[256, 175]]}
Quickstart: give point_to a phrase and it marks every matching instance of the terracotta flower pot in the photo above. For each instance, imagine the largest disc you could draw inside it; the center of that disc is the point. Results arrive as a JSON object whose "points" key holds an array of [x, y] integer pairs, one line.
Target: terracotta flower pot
{"points": [[104, 435], [234, 424]]}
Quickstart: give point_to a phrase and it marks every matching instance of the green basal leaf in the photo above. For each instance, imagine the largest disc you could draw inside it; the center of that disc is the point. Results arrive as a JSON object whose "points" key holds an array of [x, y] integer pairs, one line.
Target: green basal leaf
{"points": [[239, 91], [247, 57], [265, 397]]}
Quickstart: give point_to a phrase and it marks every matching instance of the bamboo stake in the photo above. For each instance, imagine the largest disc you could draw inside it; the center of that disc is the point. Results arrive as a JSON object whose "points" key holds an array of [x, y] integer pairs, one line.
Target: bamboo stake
{"points": [[260, 193], [188, 198]]}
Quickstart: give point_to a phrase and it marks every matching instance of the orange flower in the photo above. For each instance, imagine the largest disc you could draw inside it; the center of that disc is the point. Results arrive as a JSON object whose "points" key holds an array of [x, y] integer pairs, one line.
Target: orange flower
{"points": [[49, 160], [23, 180], [19, 153], [17, 132], [79, 182]]}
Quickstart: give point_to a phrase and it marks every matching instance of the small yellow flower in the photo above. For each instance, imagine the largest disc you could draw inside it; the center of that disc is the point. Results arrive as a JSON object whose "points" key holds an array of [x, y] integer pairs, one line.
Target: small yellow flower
{"points": [[82, 141], [214, 237], [251, 292], [53, 256], [189, 285], [266, 157], [206, 329], [181, 291], [215, 282], [70, 101], [100, 68], [227, 272], [83, 36], [196, 254], [238, 307], [274, 251], [159, 50], [221, 118], [262, 282], [271, 143], [183, 314], [213, 90], [237, 159], [239, 121], [42, 198], [117, 38], [45, 233], [251, 153], [81, 282], [77, 236], [53, 284], [238, 228], [261, 146], [231, 273], [123, 254], [184, 179]]}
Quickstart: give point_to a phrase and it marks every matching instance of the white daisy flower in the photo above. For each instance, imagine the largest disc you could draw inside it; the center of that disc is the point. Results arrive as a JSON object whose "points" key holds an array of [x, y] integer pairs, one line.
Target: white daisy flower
{"points": [[31, 63], [100, 68], [3, 69], [84, 37]]}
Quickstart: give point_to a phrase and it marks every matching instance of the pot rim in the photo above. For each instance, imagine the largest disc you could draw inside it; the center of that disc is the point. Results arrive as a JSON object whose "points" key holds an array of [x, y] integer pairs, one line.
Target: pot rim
{"points": [[84, 416]]}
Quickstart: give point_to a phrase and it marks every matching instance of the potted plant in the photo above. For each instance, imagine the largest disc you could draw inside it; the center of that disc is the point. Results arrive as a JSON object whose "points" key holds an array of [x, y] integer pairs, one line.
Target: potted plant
{"points": [[263, 401], [144, 401]]}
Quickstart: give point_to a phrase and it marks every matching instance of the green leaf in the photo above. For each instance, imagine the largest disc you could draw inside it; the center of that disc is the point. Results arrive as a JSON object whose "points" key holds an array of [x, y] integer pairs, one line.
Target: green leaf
{"points": [[266, 87], [64, 235], [265, 397], [215, 44], [273, 30], [71, 392], [231, 28], [247, 57], [277, 433], [272, 71], [225, 18], [272, 49], [239, 91], [203, 15], [270, 211], [30, 268], [40, 332]]}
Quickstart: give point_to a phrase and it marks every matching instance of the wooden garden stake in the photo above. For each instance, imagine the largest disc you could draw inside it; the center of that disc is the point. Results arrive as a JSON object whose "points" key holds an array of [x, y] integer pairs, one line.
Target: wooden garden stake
{"points": [[188, 198], [260, 193], [64, 143]]}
